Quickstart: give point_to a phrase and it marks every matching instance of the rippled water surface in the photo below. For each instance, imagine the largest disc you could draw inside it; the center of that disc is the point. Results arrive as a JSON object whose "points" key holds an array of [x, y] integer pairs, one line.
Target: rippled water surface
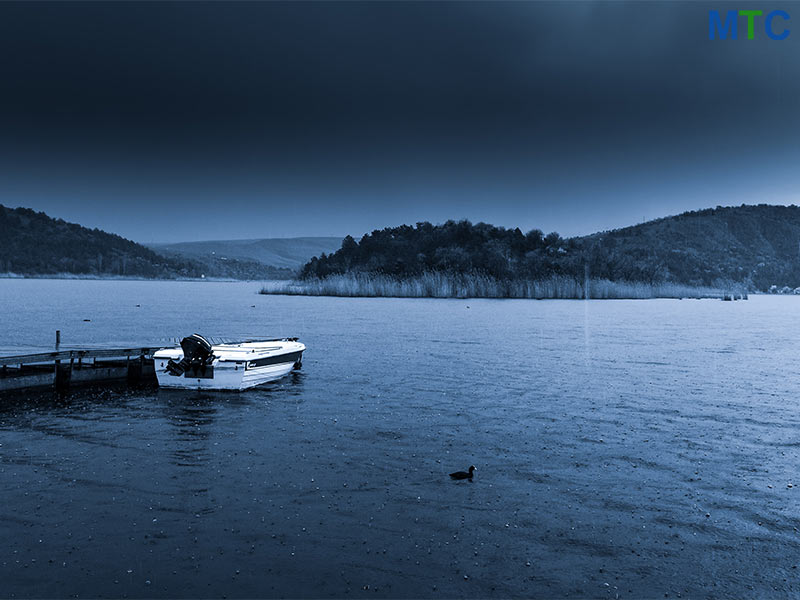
{"points": [[624, 449]]}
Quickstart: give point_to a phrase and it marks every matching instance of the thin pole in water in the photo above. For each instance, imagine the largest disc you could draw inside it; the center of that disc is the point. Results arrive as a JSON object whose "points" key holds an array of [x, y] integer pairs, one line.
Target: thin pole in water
{"points": [[586, 281], [58, 338]]}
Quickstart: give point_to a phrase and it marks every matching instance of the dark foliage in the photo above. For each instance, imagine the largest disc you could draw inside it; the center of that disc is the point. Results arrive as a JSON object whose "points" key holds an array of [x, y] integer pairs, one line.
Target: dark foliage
{"points": [[458, 247], [35, 244], [753, 245]]}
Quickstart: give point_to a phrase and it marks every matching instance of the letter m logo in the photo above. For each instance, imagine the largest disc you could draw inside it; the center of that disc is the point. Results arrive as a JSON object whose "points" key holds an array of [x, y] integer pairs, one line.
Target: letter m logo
{"points": [[715, 26]]}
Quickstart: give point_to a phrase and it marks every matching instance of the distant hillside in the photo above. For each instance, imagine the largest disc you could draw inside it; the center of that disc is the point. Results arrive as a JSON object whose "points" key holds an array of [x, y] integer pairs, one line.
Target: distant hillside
{"points": [[288, 253], [35, 244], [757, 246]]}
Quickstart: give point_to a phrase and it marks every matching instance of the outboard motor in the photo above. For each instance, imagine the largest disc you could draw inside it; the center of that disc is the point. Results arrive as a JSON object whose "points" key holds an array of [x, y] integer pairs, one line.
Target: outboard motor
{"points": [[197, 355]]}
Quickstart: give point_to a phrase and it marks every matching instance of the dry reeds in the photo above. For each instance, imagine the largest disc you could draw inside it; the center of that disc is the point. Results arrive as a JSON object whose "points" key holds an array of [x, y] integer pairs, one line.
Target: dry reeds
{"points": [[472, 285]]}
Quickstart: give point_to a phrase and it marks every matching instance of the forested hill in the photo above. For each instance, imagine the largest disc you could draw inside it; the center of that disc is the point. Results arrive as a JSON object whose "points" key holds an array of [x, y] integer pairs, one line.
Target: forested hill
{"points": [[755, 245], [35, 244]]}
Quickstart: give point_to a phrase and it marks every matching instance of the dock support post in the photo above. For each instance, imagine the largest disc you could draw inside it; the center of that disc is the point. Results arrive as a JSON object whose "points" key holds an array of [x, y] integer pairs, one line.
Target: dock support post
{"points": [[135, 369], [57, 379], [60, 377]]}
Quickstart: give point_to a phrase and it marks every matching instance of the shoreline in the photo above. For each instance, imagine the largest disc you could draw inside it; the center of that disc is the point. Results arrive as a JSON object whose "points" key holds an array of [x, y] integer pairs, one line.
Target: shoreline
{"points": [[70, 276]]}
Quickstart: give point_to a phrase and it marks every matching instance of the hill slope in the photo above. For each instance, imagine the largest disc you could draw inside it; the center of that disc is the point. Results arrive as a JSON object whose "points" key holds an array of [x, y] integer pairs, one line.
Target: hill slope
{"points": [[754, 245], [289, 253], [757, 245], [35, 244]]}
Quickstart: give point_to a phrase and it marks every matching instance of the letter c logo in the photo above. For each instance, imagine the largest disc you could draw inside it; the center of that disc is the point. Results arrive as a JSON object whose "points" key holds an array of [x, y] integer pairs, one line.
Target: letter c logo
{"points": [[768, 25]]}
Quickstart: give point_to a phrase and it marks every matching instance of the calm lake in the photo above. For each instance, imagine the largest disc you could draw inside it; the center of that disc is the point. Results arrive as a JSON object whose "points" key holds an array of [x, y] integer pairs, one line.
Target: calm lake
{"points": [[645, 448]]}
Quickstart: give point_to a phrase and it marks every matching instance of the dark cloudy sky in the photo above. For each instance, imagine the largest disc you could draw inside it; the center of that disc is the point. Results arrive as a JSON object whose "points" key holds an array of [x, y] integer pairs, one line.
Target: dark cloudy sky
{"points": [[185, 121]]}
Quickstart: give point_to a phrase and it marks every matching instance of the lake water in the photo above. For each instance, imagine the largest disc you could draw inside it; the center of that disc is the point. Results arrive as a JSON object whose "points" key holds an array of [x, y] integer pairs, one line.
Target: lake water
{"points": [[624, 449]]}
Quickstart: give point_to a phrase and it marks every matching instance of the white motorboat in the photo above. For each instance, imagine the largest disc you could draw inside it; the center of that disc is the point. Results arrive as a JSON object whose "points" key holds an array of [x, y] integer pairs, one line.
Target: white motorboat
{"points": [[199, 365]]}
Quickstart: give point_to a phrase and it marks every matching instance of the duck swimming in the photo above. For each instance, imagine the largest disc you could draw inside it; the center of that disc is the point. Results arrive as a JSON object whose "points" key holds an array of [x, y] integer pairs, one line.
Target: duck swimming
{"points": [[462, 474]]}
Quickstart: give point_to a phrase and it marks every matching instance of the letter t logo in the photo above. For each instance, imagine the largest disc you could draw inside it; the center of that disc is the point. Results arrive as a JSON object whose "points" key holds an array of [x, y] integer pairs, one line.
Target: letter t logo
{"points": [[751, 15]]}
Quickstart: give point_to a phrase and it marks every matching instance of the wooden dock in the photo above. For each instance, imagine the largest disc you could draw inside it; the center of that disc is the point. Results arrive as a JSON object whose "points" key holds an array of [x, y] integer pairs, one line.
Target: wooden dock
{"points": [[61, 368]]}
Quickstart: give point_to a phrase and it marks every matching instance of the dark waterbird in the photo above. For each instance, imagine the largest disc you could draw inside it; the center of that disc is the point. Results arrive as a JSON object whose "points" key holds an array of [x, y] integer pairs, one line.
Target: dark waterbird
{"points": [[463, 474]]}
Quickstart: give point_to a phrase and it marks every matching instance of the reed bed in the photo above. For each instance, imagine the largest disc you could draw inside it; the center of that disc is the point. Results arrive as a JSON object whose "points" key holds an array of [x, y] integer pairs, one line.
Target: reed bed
{"points": [[444, 285]]}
